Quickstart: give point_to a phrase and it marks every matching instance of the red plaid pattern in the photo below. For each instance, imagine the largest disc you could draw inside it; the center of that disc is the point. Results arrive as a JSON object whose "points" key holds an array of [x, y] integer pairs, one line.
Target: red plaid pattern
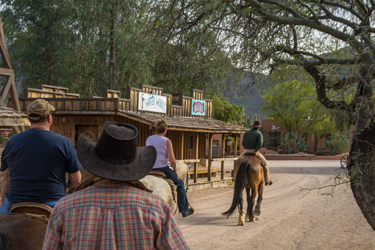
{"points": [[112, 215]]}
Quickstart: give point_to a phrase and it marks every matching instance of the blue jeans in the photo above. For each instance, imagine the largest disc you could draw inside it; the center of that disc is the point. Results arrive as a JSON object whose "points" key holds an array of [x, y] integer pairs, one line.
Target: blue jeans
{"points": [[182, 201], [4, 209]]}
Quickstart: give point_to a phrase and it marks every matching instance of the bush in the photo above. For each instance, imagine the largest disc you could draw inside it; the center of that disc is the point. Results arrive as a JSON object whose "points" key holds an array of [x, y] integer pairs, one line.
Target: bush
{"points": [[337, 144], [291, 143]]}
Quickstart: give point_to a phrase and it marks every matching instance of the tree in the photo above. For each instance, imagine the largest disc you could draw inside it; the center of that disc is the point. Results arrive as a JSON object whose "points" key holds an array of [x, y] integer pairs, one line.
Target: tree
{"points": [[91, 46], [294, 105], [224, 111], [332, 41]]}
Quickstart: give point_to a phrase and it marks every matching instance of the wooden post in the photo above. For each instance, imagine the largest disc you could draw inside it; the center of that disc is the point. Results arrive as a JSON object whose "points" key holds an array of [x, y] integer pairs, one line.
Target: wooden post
{"points": [[209, 156], [223, 154], [235, 145], [196, 157], [182, 145]]}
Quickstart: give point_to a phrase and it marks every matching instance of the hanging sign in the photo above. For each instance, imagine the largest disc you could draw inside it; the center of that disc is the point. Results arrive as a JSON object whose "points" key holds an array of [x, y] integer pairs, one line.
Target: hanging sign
{"points": [[152, 102], [198, 107]]}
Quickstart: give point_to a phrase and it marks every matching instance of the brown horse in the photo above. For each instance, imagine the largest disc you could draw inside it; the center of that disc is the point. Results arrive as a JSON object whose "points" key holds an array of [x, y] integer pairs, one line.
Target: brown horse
{"points": [[22, 232], [248, 174]]}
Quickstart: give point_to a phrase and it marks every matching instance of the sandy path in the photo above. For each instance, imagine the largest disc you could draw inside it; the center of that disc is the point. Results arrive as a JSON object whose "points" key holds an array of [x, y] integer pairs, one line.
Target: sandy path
{"points": [[290, 219]]}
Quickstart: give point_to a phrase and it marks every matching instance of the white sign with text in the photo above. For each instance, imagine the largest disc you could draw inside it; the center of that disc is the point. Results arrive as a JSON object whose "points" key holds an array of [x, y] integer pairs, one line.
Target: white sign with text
{"points": [[153, 103]]}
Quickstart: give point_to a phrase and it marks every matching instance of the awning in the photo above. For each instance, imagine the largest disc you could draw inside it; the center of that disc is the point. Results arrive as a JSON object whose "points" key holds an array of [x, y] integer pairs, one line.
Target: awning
{"points": [[183, 123]]}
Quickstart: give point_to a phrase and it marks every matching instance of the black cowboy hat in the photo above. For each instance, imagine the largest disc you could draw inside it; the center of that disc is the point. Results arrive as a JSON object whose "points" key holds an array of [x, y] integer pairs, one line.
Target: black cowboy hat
{"points": [[256, 124], [116, 155]]}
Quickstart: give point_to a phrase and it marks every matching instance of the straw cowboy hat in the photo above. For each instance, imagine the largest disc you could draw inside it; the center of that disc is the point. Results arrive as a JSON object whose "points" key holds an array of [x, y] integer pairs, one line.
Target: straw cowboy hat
{"points": [[116, 156]]}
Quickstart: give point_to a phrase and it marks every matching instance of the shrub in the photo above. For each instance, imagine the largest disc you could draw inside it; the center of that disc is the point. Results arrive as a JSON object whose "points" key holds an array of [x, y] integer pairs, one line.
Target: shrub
{"points": [[291, 142], [337, 144]]}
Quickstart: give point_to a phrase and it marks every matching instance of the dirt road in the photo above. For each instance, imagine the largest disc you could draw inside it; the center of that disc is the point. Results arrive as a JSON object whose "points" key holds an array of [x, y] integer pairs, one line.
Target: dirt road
{"points": [[290, 219]]}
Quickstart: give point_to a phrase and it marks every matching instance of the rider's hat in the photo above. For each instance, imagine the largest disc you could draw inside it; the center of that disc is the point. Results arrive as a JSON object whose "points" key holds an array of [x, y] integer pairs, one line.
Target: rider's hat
{"points": [[39, 109], [256, 124], [116, 156]]}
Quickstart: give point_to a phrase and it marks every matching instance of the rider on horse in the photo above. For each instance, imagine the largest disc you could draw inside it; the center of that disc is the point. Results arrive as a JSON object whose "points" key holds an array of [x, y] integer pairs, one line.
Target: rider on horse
{"points": [[252, 142]]}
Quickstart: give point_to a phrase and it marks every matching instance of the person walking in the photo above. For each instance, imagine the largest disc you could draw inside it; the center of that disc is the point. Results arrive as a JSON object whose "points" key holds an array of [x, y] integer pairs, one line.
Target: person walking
{"points": [[35, 161], [165, 154], [117, 211], [252, 142]]}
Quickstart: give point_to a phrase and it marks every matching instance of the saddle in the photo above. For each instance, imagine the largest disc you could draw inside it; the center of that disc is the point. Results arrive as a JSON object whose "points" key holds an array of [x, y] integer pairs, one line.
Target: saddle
{"points": [[253, 154], [31, 208], [162, 175]]}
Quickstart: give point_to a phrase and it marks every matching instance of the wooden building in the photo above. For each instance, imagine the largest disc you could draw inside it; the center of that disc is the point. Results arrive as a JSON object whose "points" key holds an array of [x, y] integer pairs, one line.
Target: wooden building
{"points": [[189, 118]]}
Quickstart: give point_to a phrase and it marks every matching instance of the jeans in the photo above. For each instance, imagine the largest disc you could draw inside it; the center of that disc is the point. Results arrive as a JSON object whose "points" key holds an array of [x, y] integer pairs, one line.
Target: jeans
{"points": [[4, 209], [182, 201]]}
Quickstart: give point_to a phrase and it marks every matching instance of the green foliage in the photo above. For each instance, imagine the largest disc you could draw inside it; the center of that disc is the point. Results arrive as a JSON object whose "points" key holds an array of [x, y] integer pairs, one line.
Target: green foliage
{"points": [[291, 103], [224, 111], [291, 142], [294, 104], [338, 144], [91, 46]]}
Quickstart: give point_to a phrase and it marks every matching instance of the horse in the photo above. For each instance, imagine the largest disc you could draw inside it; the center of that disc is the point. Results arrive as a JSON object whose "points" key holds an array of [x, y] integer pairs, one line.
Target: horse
{"points": [[248, 173], [20, 231], [159, 185], [162, 187], [26, 232]]}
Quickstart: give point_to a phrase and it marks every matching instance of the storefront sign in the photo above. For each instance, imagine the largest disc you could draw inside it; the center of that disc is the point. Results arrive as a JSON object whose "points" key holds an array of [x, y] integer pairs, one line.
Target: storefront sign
{"points": [[153, 103], [198, 107]]}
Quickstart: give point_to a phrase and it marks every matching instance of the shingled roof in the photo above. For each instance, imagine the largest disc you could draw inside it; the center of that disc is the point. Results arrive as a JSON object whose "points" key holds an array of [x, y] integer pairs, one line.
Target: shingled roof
{"points": [[186, 123], [9, 118]]}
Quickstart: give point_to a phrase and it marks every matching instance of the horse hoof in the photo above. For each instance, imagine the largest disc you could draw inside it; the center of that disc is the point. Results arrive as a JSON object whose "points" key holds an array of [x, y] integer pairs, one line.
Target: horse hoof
{"points": [[257, 211], [241, 223], [252, 220]]}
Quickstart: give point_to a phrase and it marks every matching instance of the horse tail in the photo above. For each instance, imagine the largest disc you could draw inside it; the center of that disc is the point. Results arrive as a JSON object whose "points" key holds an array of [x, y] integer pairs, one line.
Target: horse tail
{"points": [[238, 187], [3, 242]]}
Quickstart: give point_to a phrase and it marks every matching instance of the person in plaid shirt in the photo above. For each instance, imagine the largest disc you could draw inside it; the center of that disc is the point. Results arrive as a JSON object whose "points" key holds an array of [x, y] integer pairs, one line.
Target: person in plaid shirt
{"points": [[117, 211]]}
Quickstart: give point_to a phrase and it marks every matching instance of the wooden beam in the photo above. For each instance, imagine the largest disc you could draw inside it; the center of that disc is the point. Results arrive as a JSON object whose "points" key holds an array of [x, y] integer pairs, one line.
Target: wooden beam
{"points": [[6, 72], [3, 48], [225, 159], [182, 145], [5, 90], [235, 144], [196, 157], [189, 160], [209, 156], [222, 154]]}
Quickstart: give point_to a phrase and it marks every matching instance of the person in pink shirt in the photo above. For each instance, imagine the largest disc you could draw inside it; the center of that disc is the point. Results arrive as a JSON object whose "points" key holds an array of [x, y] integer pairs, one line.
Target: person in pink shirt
{"points": [[165, 154]]}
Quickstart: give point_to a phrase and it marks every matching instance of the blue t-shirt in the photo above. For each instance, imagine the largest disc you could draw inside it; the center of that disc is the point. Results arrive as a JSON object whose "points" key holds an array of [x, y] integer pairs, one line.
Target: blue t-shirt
{"points": [[38, 160]]}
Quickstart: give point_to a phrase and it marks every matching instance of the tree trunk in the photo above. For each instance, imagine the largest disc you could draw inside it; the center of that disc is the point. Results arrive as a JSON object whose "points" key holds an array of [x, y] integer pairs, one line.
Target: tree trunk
{"points": [[361, 166], [316, 143]]}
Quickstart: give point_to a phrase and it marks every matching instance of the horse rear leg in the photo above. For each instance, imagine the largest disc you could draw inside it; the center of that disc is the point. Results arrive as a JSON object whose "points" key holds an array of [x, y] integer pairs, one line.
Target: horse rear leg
{"points": [[250, 204], [241, 217], [260, 198]]}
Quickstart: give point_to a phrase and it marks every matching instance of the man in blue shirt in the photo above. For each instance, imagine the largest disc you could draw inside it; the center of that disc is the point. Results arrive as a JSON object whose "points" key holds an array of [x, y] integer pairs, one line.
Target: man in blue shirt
{"points": [[252, 142], [34, 162]]}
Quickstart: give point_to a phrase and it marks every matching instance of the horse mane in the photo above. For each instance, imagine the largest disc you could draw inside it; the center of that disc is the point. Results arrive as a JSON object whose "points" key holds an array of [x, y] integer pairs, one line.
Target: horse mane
{"points": [[3, 242], [238, 185]]}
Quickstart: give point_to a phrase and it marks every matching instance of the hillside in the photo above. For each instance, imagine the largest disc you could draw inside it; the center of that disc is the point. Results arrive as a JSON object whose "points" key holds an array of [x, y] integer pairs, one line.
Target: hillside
{"points": [[246, 95]]}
